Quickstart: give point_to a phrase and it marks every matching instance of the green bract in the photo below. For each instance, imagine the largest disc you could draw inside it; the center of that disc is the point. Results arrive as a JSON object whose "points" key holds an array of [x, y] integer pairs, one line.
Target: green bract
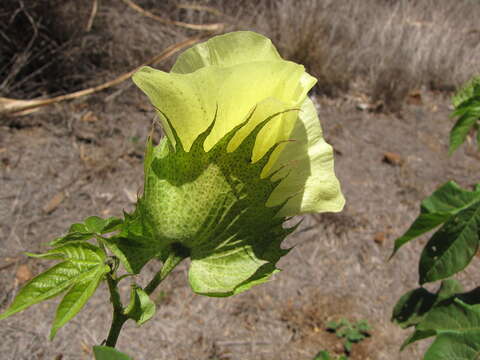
{"points": [[244, 149]]}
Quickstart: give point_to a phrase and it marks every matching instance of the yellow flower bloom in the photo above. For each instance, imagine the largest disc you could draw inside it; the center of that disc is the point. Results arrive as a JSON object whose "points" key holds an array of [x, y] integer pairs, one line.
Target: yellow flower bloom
{"points": [[244, 149]]}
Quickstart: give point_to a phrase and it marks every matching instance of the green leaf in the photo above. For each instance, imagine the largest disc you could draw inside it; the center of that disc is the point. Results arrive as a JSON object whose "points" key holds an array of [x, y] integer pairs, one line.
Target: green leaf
{"points": [[449, 288], [322, 355], [135, 244], [449, 198], [467, 108], [98, 225], [412, 307], [445, 202], [466, 92], [76, 298], [82, 263], [457, 326], [141, 308], [84, 231], [452, 315], [458, 346], [415, 305], [452, 247], [353, 335], [462, 127], [109, 353], [416, 336], [333, 325], [363, 326], [218, 274], [423, 224], [348, 346]]}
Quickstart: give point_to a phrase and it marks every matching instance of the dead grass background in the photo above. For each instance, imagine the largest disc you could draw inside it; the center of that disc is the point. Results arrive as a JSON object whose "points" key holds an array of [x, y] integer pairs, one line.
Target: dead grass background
{"points": [[379, 48], [86, 155]]}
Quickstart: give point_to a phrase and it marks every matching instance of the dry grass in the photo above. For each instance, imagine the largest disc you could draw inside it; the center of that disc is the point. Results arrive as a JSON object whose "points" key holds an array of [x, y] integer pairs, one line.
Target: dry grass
{"points": [[376, 47], [382, 48]]}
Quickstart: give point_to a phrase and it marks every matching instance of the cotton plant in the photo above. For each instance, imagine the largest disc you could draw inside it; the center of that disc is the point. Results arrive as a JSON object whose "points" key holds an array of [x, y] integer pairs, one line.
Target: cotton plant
{"points": [[243, 152]]}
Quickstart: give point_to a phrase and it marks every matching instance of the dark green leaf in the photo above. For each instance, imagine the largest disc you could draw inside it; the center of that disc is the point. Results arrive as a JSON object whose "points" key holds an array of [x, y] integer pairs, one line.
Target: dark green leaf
{"points": [[416, 336], [445, 202], [412, 307], [141, 308], [423, 224], [415, 305], [449, 199], [448, 289], [452, 247], [108, 353]]}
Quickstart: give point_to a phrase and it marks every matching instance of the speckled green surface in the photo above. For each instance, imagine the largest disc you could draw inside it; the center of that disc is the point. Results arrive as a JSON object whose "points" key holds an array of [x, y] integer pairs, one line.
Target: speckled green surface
{"points": [[213, 203]]}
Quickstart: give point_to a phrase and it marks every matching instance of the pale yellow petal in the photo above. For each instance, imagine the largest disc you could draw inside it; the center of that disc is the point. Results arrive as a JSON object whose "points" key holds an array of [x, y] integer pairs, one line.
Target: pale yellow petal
{"points": [[309, 162], [226, 50], [190, 100]]}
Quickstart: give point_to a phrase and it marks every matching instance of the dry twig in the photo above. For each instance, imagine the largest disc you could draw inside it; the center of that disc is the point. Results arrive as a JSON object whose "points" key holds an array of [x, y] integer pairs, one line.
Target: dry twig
{"points": [[201, 27], [22, 107], [93, 13]]}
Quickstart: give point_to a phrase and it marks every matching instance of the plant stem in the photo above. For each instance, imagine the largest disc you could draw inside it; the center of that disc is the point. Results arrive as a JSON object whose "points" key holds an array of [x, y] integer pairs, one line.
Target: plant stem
{"points": [[117, 322], [119, 318], [174, 258]]}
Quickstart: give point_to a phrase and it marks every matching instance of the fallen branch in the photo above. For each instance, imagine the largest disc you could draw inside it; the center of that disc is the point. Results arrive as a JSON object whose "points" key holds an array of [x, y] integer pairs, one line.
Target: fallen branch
{"points": [[18, 107], [201, 27]]}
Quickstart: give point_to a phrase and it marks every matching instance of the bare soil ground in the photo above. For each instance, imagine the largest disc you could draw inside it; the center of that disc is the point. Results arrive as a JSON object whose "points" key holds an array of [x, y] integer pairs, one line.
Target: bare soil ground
{"points": [[72, 160], [81, 159]]}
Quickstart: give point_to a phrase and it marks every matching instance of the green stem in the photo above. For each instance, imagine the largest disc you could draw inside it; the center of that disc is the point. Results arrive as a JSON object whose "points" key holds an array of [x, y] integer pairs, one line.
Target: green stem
{"points": [[118, 318], [174, 258], [117, 323]]}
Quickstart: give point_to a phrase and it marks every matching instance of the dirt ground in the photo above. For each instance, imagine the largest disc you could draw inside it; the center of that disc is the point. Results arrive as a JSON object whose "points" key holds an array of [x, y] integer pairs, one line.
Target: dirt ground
{"points": [[84, 158]]}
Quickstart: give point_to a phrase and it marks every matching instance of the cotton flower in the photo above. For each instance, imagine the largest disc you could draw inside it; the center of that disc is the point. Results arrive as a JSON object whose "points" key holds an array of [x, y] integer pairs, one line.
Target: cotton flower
{"points": [[243, 150]]}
